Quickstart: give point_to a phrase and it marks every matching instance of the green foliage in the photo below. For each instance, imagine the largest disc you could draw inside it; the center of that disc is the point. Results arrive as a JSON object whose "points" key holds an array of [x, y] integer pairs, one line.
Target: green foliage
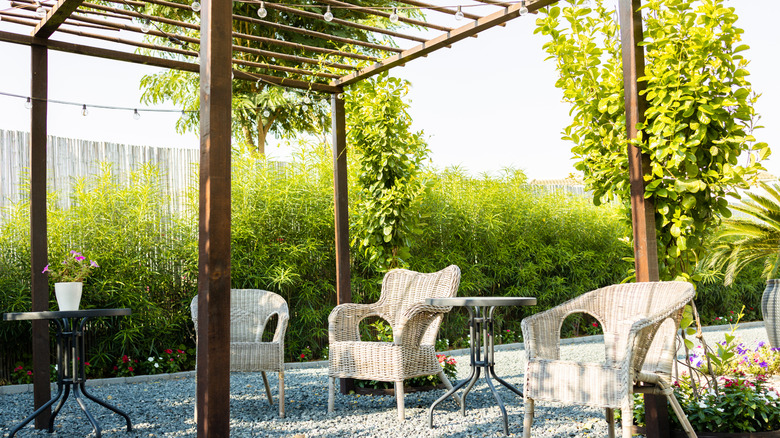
{"points": [[389, 158], [754, 238], [507, 239], [511, 241], [698, 121], [260, 108], [129, 229]]}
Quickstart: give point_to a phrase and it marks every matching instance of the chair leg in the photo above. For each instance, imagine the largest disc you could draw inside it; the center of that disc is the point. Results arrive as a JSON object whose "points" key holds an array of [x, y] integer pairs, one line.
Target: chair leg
{"points": [[399, 399], [627, 420], [281, 394], [610, 414], [448, 385], [669, 392], [528, 404], [267, 388], [331, 393]]}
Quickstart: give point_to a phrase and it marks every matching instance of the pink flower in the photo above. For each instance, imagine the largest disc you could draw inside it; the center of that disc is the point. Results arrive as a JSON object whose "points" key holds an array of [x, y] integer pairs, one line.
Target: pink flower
{"points": [[93, 264], [595, 324], [125, 359], [303, 356], [29, 373], [45, 270], [80, 258], [169, 351], [130, 369]]}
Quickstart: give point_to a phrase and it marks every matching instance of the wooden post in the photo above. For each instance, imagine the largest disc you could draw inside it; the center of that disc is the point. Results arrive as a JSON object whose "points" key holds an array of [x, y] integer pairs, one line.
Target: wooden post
{"points": [[340, 196], [38, 233], [642, 209], [213, 370]]}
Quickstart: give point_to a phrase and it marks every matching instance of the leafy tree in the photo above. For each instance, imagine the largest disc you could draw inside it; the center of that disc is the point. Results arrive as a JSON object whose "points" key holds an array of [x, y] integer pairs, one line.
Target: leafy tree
{"points": [[260, 108], [756, 237], [698, 123], [389, 158]]}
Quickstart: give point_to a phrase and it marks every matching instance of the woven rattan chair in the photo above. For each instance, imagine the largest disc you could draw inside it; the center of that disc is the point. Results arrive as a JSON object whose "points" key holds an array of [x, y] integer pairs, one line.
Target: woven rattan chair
{"points": [[639, 322], [250, 310], [414, 324]]}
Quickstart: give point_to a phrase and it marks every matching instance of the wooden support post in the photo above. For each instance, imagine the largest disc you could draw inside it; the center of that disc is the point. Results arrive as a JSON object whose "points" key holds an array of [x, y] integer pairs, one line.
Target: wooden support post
{"points": [[213, 370], [642, 209], [38, 233], [340, 196]]}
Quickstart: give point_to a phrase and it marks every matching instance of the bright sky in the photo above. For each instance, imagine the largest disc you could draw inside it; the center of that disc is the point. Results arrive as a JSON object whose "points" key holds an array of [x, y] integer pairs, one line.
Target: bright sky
{"points": [[485, 104]]}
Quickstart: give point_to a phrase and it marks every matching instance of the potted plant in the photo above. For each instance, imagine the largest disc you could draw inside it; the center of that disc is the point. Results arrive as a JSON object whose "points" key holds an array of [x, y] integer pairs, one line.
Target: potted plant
{"points": [[68, 279], [755, 236]]}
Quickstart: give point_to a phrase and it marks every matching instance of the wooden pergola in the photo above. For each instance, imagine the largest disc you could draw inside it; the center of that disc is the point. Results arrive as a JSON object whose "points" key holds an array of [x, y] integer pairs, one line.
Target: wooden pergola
{"points": [[323, 64]]}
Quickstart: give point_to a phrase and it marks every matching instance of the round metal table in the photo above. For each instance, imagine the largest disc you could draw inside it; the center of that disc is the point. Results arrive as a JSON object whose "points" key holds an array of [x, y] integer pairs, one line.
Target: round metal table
{"points": [[481, 325], [70, 360]]}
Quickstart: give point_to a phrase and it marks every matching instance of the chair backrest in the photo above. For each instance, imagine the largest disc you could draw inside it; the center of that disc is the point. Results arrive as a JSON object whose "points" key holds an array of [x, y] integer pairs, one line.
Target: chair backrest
{"points": [[660, 302], [402, 288], [250, 310]]}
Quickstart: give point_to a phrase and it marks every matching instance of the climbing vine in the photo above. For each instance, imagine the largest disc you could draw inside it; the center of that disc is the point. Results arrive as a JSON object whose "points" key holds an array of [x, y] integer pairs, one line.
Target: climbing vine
{"points": [[698, 123], [389, 156]]}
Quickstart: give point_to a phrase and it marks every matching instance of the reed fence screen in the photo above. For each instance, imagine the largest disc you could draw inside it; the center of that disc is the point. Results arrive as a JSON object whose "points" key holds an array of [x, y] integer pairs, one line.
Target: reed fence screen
{"points": [[69, 159]]}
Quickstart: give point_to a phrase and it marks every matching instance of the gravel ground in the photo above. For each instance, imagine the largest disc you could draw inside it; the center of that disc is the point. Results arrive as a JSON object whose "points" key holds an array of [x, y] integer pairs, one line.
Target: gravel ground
{"points": [[164, 408]]}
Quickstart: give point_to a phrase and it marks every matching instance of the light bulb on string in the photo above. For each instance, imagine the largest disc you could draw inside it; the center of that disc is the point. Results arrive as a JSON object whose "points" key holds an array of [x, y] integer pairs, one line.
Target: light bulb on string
{"points": [[195, 6], [40, 11], [146, 25], [328, 16], [306, 100], [523, 10], [84, 110], [28, 104], [262, 12], [305, 107], [394, 16], [339, 96], [136, 114], [266, 114], [459, 14]]}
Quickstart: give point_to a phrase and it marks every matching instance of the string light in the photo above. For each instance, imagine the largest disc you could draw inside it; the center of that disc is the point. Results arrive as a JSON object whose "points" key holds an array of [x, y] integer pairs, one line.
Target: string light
{"points": [[266, 114], [28, 104], [146, 26], [195, 6], [40, 11], [328, 16], [136, 115], [394, 16], [523, 10], [84, 111], [306, 99], [459, 14], [262, 12]]}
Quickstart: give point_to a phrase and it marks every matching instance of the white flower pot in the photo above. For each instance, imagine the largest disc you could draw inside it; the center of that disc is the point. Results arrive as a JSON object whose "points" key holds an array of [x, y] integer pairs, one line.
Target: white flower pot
{"points": [[68, 295], [770, 308]]}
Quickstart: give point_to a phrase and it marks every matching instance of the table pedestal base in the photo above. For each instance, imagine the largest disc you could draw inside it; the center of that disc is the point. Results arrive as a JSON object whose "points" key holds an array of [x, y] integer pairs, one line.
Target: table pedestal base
{"points": [[481, 330], [70, 374]]}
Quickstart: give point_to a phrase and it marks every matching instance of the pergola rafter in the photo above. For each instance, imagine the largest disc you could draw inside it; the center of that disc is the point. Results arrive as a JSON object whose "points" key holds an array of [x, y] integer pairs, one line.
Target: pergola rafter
{"points": [[321, 57]]}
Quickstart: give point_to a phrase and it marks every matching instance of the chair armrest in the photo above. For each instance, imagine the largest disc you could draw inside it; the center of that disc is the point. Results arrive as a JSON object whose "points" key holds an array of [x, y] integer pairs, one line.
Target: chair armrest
{"points": [[542, 331], [344, 321], [413, 323], [281, 327]]}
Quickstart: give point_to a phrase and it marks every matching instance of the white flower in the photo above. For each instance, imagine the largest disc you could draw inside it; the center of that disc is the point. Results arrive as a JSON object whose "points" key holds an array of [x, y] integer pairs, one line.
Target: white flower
{"points": [[157, 365], [151, 359]]}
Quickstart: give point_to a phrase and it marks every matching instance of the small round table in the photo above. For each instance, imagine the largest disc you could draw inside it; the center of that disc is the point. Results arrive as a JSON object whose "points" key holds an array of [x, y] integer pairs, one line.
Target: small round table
{"points": [[70, 360], [481, 330]]}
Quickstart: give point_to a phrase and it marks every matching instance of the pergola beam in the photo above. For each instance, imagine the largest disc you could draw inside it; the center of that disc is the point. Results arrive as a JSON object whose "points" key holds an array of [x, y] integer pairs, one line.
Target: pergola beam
{"points": [[97, 52], [271, 41], [445, 40], [55, 17]]}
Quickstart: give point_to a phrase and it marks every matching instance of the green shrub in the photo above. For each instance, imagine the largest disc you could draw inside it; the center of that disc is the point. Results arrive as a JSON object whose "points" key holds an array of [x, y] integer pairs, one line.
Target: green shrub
{"points": [[507, 240]]}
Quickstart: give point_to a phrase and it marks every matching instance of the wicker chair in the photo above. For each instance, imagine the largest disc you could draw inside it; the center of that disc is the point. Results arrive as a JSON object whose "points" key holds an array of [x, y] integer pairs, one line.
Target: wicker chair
{"points": [[631, 315], [414, 324], [250, 310]]}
